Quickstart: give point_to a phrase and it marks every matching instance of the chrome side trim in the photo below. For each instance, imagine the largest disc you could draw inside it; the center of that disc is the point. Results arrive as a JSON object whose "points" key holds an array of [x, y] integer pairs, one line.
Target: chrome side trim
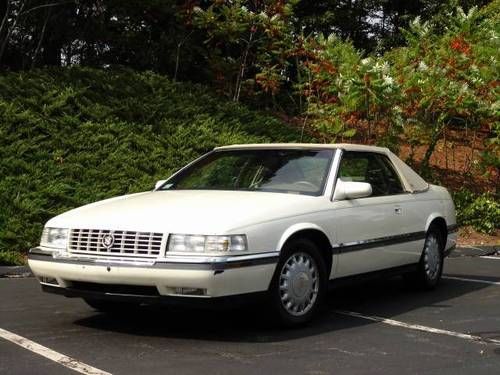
{"points": [[378, 242], [218, 259]]}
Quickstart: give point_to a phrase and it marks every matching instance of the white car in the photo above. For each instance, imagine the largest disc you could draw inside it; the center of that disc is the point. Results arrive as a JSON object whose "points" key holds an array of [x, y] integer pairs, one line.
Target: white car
{"points": [[283, 219]]}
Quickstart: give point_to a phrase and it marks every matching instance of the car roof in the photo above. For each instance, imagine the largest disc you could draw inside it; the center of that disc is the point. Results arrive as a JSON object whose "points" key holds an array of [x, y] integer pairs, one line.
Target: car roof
{"points": [[315, 146], [411, 180]]}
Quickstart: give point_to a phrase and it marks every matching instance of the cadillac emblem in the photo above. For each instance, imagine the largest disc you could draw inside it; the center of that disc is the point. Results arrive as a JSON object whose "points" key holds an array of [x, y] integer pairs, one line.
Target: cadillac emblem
{"points": [[107, 240]]}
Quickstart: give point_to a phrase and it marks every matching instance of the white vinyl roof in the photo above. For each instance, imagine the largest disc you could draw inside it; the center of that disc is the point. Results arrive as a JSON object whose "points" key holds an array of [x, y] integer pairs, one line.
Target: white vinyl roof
{"points": [[412, 181]]}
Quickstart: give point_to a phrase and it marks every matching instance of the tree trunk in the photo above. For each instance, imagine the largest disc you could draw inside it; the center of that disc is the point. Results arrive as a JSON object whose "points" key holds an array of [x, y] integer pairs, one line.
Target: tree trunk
{"points": [[9, 32], [424, 167], [5, 17], [42, 35], [241, 73], [178, 54]]}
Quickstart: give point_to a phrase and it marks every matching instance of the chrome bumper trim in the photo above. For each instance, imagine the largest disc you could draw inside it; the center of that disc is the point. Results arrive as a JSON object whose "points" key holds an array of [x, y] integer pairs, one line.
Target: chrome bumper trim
{"points": [[171, 262]]}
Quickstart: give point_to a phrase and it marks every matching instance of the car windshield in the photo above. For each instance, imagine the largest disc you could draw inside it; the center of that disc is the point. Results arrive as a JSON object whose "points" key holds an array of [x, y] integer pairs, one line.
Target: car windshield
{"points": [[295, 171]]}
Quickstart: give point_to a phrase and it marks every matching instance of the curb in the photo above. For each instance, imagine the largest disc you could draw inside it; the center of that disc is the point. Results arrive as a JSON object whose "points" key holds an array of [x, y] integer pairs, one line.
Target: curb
{"points": [[474, 251], [15, 271]]}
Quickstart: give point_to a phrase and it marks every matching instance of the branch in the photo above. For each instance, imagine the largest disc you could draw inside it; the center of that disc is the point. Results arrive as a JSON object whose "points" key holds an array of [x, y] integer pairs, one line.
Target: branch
{"points": [[39, 45], [6, 16], [47, 6], [9, 32]]}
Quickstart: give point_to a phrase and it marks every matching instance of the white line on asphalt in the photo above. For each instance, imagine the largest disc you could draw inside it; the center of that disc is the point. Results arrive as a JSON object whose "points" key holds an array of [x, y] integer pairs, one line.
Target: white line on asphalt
{"points": [[472, 280], [62, 359], [470, 247], [490, 257], [418, 327]]}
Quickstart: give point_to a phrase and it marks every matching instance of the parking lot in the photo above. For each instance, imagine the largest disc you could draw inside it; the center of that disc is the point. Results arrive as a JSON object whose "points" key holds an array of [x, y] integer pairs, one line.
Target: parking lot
{"points": [[379, 327]]}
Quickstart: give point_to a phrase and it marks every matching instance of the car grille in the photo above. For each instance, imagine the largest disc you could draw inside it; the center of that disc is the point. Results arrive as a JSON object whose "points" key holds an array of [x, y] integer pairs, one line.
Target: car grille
{"points": [[126, 243]]}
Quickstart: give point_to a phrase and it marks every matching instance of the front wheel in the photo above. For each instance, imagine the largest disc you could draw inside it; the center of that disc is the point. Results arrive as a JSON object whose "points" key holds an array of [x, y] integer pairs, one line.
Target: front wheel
{"points": [[299, 283], [430, 267]]}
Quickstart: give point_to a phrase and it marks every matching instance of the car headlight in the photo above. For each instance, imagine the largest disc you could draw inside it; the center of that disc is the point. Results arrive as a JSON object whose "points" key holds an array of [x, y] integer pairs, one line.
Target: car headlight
{"points": [[55, 238], [207, 244]]}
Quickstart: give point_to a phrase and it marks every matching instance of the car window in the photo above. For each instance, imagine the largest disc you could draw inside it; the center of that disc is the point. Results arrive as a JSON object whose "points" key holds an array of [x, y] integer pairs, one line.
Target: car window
{"points": [[373, 168], [286, 171]]}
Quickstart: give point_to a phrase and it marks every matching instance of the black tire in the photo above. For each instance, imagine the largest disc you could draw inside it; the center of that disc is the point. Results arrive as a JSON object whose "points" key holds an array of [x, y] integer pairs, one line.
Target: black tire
{"points": [[428, 273], [304, 256], [111, 307]]}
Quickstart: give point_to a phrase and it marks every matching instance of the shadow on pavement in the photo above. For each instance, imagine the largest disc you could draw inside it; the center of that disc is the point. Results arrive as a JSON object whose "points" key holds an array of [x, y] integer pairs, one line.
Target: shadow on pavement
{"points": [[386, 298]]}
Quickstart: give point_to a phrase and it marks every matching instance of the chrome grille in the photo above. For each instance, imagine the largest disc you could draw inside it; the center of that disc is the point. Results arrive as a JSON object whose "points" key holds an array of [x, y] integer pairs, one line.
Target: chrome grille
{"points": [[126, 243]]}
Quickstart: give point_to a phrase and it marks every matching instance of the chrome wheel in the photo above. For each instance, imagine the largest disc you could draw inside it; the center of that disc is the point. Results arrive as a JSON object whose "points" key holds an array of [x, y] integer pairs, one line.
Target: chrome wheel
{"points": [[432, 257], [299, 284]]}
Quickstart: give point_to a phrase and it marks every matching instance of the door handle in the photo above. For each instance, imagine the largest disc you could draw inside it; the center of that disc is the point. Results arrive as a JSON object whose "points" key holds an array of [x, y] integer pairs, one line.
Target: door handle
{"points": [[398, 210]]}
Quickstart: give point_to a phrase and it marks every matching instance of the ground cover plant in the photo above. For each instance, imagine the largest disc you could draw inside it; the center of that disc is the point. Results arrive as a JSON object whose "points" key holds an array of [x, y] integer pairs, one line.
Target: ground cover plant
{"points": [[74, 136]]}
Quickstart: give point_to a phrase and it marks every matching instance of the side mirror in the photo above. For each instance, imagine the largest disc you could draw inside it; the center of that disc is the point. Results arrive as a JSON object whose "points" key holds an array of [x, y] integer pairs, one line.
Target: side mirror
{"points": [[351, 190], [159, 183]]}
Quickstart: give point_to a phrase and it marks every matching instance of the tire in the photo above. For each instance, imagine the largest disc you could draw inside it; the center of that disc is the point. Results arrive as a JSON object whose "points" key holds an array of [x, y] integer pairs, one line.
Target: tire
{"points": [[109, 306], [430, 266], [299, 283]]}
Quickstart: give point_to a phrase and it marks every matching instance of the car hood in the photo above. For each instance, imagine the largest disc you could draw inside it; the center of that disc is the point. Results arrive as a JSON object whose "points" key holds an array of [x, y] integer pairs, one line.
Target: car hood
{"points": [[187, 211]]}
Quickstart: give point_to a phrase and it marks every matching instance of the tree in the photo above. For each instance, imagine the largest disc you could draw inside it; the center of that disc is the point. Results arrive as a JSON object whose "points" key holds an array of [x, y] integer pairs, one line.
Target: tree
{"points": [[248, 43]]}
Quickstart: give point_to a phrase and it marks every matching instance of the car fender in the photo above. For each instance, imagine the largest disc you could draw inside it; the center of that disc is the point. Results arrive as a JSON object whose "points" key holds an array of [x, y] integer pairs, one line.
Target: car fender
{"points": [[295, 228], [290, 231], [431, 217]]}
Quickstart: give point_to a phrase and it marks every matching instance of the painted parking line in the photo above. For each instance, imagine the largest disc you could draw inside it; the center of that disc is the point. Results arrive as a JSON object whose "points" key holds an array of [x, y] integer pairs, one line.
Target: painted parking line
{"points": [[418, 327], [62, 359], [490, 257], [472, 280]]}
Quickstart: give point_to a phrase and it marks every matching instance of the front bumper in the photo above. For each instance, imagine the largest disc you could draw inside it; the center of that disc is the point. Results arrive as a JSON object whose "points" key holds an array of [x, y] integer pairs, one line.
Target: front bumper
{"points": [[179, 277]]}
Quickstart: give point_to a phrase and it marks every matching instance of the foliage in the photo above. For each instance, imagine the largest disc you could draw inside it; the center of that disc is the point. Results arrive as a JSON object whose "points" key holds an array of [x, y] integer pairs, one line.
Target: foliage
{"points": [[10, 258], [247, 41], [346, 91], [159, 34], [450, 80], [438, 81], [371, 25], [73, 136], [482, 211]]}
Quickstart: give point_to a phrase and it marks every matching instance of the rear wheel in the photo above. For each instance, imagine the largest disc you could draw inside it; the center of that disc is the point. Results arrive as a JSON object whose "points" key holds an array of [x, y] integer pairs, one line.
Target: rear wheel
{"points": [[430, 267], [299, 283]]}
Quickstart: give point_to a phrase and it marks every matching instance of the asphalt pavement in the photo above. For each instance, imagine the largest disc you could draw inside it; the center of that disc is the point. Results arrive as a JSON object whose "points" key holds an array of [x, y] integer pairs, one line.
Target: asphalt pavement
{"points": [[380, 327]]}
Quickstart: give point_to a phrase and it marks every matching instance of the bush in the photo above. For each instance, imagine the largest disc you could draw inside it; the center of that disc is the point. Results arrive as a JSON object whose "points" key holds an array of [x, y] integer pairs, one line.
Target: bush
{"points": [[73, 136], [446, 77], [10, 258], [481, 211]]}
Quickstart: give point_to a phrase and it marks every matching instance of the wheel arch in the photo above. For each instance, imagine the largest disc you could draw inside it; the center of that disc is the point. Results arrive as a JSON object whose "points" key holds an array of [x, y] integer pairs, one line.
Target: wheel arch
{"points": [[438, 221], [314, 233]]}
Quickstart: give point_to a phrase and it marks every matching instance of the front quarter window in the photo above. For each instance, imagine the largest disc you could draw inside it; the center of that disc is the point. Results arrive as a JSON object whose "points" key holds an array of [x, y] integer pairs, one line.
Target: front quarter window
{"points": [[286, 171]]}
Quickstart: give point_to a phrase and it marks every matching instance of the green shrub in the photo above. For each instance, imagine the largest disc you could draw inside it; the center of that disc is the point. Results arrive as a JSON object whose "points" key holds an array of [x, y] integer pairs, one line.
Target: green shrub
{"points": [[10, 258], [73, 136], [77, 135], [481, 211]]}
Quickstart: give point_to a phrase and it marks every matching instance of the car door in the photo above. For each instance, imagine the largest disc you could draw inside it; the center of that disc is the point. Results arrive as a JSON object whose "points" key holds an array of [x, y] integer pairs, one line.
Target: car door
{"points": [[370, 230]]}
